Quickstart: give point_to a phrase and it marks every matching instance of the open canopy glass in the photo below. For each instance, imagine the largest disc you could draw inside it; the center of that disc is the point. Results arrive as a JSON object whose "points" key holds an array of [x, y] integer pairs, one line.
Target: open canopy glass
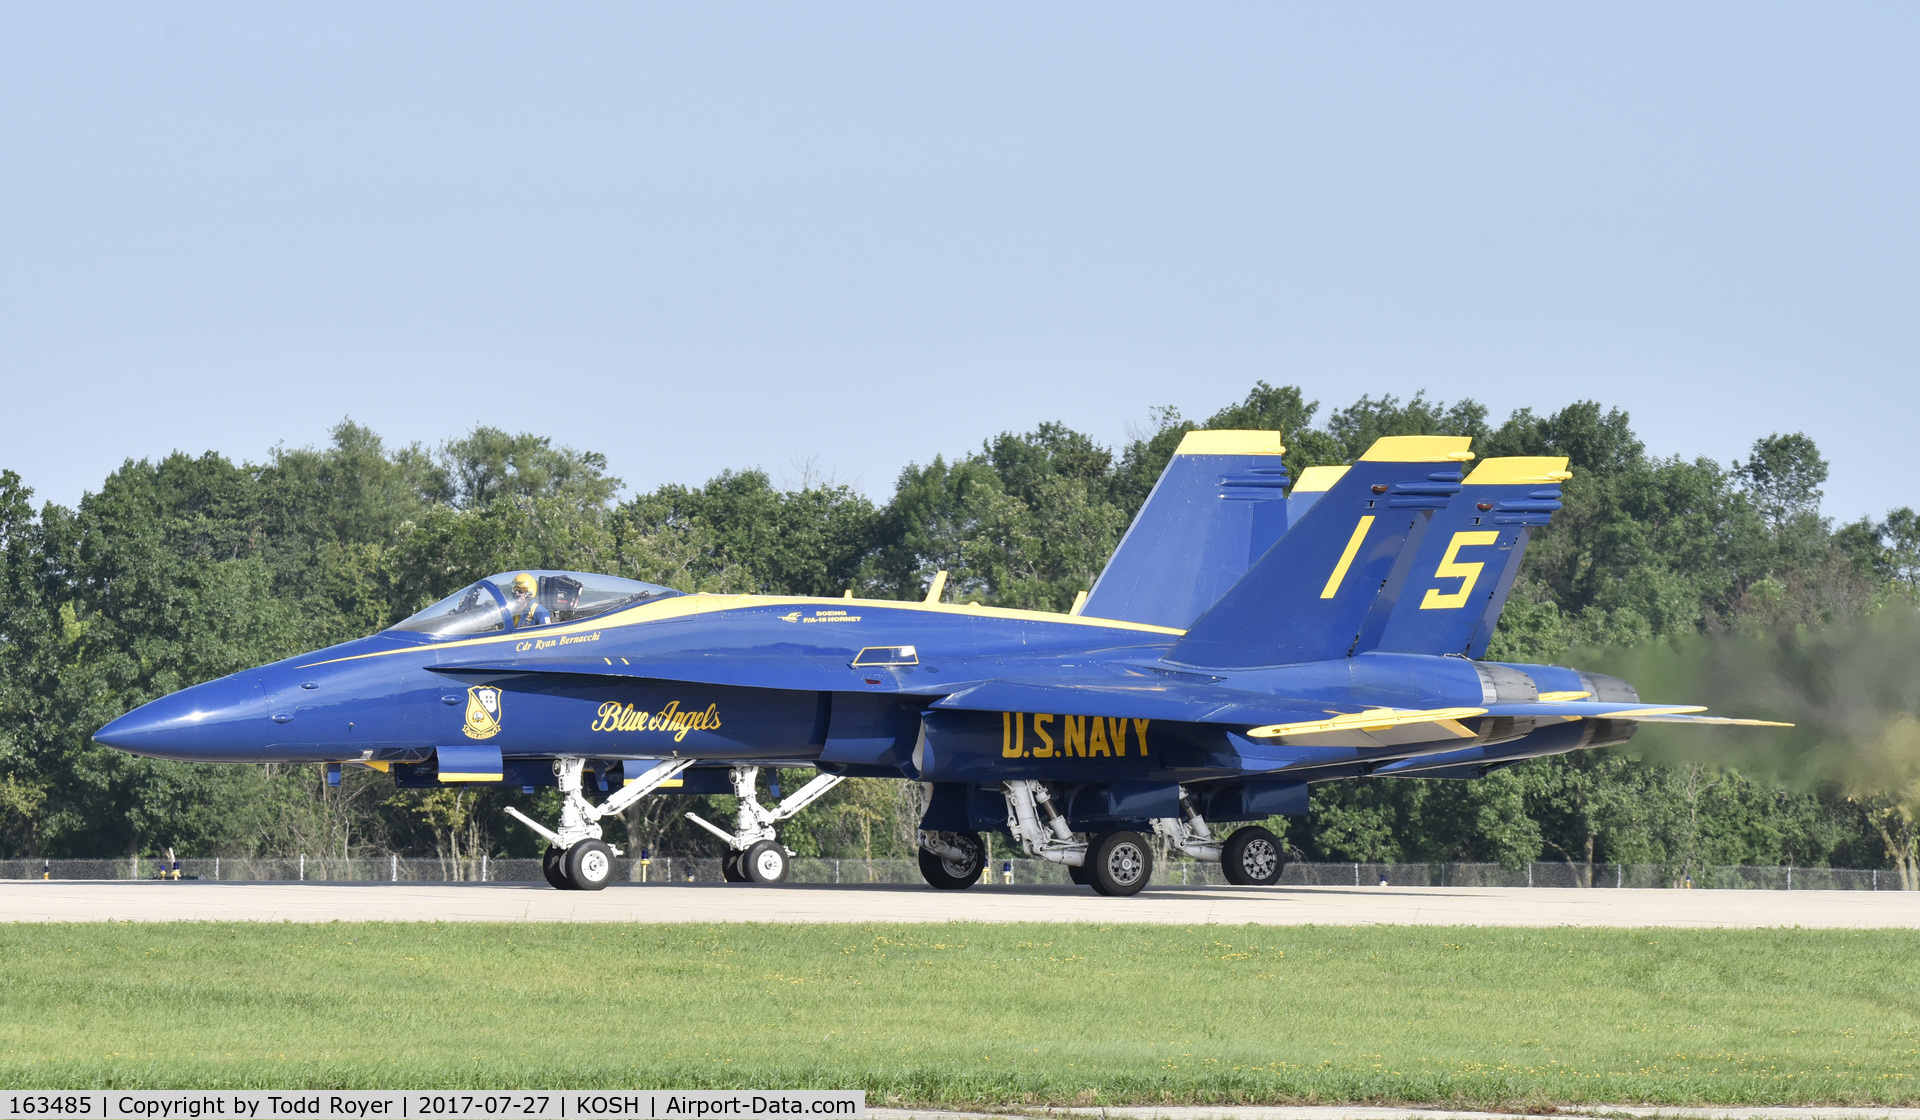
{"points": [[528, 600]]}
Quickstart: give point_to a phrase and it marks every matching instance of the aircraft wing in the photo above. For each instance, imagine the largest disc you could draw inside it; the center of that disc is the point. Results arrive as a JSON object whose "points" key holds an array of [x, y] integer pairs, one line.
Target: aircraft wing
{"points": [[1195, 702], [1179, 701], [1165, 699]]}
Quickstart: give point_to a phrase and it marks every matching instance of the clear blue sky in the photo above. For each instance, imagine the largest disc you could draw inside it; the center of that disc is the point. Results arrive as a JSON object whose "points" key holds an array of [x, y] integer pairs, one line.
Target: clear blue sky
{"points": [[696, 237]]}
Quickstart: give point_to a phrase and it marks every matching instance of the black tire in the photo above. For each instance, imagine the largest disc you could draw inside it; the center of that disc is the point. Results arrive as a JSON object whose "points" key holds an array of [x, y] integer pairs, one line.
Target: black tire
{"points": [[1083, 874], [1252, 857], [553, 865], [730, 867], [589, 865], [1121, 864], [765, 862], [942, 873]]}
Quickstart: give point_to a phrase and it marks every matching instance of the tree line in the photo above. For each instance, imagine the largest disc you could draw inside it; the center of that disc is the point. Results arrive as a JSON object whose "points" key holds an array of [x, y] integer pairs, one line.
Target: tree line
{"points": [[187, 568]]}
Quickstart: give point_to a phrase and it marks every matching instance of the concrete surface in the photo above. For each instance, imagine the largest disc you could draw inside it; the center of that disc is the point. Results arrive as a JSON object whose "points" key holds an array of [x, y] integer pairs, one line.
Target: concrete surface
{"points": [[130, 901]]}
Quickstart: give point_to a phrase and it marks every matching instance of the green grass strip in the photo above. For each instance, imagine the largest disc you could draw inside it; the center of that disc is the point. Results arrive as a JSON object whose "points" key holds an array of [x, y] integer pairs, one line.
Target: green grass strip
{"points": [[975, 1014]]}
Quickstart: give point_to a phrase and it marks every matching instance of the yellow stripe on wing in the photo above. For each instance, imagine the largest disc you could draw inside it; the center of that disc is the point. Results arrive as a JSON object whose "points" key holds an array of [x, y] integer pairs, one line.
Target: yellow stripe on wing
{"points": [[1374, 719]]}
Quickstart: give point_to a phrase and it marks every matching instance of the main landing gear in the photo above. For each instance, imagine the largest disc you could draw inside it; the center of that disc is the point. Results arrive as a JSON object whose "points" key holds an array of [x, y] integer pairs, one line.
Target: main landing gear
{"points": [[1250, 857], [951, 861], [753, 853], [576, 858], [1112, 863]]}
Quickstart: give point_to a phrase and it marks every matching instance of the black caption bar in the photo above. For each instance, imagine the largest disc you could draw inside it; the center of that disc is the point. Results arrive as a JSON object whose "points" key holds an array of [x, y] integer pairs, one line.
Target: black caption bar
{"points": [[464, 1104]]}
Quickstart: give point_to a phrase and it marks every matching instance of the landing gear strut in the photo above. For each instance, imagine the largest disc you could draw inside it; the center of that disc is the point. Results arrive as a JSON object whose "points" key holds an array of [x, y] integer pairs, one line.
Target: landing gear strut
{"points": [[576, 858], [1250, 857], [1121, 862], [753, 853]]}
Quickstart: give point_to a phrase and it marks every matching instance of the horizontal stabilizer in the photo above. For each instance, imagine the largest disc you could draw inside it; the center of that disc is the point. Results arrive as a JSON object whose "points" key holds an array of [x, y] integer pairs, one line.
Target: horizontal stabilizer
{"points": [[1379, 719]]}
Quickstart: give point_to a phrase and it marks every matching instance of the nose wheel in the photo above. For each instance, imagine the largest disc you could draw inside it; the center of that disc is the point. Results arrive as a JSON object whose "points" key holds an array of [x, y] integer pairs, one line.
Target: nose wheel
{"points": [[576, 858], [552, 867], [587, 866], [765, 862], [590, 865], [753, 854]]}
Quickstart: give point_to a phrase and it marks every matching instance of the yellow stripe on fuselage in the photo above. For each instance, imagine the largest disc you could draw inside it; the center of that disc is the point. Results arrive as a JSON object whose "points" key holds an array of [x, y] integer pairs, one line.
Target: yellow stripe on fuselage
{"points": [[690, 606]]}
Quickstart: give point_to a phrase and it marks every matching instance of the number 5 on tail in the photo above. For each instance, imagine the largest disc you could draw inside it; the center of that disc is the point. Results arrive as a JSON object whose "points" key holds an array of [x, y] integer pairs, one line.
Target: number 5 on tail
{"points": [[1452, 568]]}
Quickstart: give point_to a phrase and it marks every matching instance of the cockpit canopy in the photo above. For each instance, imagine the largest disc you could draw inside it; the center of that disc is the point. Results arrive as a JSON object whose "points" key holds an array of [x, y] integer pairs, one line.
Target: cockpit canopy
{"points": [[490, 606]]}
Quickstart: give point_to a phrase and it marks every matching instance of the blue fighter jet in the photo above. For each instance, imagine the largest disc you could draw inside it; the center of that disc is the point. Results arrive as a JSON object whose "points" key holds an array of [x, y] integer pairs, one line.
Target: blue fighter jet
{"points": [[1247, 639]]}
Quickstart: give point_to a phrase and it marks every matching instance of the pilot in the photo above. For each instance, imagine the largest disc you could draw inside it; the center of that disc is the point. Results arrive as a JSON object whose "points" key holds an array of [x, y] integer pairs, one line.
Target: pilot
{"points": [[527, 610]]}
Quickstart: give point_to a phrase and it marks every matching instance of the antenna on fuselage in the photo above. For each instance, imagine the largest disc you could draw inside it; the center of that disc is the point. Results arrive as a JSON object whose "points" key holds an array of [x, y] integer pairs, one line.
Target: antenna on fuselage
{"points": [[937, 587]]}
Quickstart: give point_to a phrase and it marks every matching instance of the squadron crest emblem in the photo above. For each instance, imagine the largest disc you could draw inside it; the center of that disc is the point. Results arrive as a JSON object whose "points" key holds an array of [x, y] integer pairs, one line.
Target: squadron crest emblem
{"points": [[483, 712]]}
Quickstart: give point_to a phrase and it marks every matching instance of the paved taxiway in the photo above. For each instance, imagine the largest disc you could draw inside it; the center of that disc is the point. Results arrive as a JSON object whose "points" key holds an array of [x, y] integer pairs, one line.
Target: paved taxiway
{"points": [[128, 901]]}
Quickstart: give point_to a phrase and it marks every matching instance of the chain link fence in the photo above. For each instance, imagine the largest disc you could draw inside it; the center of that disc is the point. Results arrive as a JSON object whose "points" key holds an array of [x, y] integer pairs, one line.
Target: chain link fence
{"points": [[678, 869]]}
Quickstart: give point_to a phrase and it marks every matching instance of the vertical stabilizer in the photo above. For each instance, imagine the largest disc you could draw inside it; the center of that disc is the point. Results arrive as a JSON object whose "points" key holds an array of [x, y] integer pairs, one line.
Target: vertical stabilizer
{"points": [[1219, 505], [1312, 484], [1307, 597], [1465, 565]]}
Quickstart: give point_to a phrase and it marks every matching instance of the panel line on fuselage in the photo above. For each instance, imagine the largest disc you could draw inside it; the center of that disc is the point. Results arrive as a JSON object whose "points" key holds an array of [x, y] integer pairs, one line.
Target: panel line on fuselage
{"points": [[688, 606]]}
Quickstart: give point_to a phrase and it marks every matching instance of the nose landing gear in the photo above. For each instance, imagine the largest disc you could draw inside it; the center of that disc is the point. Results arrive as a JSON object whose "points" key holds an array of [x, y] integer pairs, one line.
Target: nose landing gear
{"points": [[754, 855], [576, 858]]}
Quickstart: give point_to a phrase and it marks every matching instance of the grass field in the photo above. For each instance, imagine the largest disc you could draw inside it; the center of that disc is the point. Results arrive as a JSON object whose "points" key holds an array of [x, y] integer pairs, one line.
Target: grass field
{"points": [[971, 1014]]}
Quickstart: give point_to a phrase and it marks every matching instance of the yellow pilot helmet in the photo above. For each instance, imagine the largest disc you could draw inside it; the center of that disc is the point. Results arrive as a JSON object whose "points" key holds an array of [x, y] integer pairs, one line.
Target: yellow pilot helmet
{"points": [[526, 583]]}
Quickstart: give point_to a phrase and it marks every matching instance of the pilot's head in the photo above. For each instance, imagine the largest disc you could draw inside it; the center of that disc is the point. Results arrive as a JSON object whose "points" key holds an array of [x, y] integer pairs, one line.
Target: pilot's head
{"points": [[524, 589]]}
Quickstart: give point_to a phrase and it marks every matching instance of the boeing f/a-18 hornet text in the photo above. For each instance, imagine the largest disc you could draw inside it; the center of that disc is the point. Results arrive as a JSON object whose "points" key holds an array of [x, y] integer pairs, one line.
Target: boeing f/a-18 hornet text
{"points": [[1246, 640]]}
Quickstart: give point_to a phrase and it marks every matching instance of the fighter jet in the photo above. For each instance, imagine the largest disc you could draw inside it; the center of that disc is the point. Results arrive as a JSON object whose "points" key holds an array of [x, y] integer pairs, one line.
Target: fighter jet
{"points": [[1247, 639]]}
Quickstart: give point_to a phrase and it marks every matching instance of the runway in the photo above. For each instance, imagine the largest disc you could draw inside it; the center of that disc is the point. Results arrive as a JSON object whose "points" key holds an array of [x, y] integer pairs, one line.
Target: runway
{"points": [[131, 901]]}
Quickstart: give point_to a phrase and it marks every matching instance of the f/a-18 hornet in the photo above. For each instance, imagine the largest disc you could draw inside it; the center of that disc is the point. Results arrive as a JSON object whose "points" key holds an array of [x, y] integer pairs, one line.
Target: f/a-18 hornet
{"points": [[1246, 640]]}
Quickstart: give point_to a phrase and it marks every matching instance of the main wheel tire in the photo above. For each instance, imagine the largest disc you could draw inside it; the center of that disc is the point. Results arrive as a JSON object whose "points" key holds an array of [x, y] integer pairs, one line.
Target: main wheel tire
{"points": [[553, 865], [1252, 857], [1122, 862], [765, 862], [947, 874], [730, 867], [590, 865], [1082, 875]]}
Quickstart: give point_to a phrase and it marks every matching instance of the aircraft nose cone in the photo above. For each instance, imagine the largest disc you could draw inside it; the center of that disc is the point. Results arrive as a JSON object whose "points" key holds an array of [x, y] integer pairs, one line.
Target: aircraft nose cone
{"points": [[219, 721]]}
